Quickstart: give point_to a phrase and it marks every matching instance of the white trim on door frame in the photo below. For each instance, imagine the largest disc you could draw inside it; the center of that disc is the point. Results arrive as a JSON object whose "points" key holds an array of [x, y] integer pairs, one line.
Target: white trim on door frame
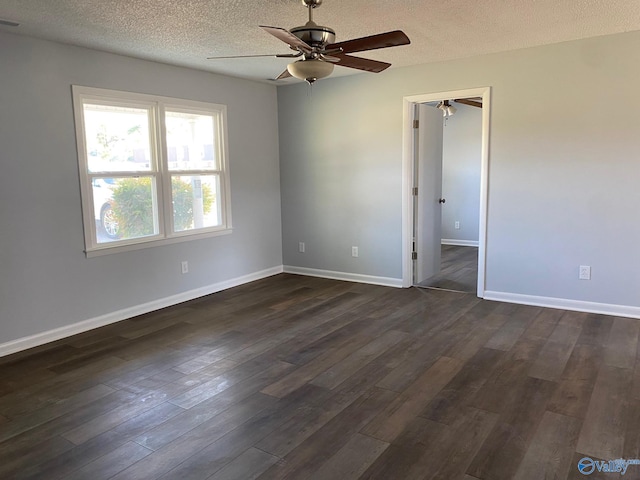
{"points": [[407, 177]]}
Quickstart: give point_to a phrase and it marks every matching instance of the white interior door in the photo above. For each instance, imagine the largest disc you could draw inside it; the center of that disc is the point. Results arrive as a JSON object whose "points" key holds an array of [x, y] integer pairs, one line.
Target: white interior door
{"points": [[427, 204]]}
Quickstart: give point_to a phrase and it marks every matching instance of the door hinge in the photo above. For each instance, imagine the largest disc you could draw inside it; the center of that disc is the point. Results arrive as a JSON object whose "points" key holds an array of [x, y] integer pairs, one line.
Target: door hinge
{"points": [[415, 191], [414, 255], [416, 124]]}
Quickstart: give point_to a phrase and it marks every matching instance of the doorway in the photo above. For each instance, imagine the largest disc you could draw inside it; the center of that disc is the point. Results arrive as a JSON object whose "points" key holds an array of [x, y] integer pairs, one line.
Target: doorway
{"points": [[460, 191], [426, 261]]}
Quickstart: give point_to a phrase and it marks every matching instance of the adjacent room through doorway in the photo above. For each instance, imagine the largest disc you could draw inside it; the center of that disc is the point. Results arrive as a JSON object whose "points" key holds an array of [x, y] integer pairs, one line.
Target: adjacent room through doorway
{"points": [[447, 200]]}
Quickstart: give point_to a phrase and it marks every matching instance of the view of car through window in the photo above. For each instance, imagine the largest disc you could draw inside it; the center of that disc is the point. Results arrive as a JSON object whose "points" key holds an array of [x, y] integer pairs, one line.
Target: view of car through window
{"points": [[103, 209]]}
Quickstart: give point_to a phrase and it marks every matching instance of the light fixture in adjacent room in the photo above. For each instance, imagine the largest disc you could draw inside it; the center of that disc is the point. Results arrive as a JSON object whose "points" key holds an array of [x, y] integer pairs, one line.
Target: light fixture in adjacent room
{"points": [[310, 69], [447, 108]]}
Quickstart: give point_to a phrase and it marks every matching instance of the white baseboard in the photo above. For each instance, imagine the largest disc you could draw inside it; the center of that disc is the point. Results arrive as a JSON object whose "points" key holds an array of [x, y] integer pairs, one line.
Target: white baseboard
{"points": [[460, 243], [56, 334], [25, 343], [349, 277], [565, 304]]}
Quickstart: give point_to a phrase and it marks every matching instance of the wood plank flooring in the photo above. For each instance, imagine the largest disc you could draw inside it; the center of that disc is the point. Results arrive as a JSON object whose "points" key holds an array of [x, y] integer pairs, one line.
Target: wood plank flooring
{"points": [[294, 377], [458, 270]]}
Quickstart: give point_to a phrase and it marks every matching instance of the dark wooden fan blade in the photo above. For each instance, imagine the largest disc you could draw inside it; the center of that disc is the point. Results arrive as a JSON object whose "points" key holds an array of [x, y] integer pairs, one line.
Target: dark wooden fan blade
{"points": [[373, 42], [284, 74], [287, 37], [362, 63], [469, 101]]}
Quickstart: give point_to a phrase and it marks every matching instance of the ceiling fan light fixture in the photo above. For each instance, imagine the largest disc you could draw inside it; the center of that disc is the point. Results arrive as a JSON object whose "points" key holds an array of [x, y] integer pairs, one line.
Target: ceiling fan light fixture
{"points": [[310, 70], [447, 108]]}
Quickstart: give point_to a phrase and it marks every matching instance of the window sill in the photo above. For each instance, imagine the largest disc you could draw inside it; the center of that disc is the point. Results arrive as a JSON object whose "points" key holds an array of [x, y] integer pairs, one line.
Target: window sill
{"points": [[110, 248]]}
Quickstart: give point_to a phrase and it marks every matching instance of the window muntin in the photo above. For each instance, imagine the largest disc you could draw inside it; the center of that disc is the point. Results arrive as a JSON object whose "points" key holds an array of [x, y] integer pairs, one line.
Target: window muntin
{"points": [[153, 169]]}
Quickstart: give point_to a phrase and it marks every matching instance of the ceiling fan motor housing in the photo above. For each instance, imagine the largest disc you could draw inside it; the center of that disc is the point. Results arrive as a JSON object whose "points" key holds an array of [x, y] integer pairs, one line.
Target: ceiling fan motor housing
{"points": [[314, 35]]}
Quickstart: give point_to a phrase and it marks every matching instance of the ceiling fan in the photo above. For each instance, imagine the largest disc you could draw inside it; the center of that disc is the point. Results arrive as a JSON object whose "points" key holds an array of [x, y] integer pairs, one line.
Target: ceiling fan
{"points": [[314, 45]]}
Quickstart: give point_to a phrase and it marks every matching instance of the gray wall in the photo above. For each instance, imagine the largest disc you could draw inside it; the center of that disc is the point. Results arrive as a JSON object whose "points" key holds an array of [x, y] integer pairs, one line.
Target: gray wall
{"points": [[46, 281], [461, 152], [563, 179], [340, 145]]}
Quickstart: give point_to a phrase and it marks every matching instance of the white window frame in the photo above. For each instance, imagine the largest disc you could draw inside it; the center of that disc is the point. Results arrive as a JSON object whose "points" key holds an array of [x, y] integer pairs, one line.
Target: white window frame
{"points": [[157, 106]]}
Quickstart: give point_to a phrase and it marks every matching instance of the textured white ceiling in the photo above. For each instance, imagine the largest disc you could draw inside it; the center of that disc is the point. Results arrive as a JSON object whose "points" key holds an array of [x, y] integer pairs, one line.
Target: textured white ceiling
{"points": [[185, 32]]}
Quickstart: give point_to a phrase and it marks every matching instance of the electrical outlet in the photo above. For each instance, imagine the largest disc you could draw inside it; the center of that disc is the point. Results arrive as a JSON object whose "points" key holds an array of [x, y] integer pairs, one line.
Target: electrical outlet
{"points": [[585, 272], [354, 251], [185, 267], [301, 247], [457, 225]]}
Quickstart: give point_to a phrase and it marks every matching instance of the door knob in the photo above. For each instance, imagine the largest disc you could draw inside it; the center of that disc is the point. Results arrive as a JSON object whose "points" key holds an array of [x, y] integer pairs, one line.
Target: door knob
{"points": [[442, 200]]}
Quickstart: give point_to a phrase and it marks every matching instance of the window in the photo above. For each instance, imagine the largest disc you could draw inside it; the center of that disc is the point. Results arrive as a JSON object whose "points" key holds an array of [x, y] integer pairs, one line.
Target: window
{"points": [[153, 170]]}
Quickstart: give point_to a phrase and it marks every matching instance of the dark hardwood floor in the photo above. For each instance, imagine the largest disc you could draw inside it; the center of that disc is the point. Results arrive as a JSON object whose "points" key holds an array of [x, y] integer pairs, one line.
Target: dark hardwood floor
{"points": [[305, 378], [458, 271]]}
